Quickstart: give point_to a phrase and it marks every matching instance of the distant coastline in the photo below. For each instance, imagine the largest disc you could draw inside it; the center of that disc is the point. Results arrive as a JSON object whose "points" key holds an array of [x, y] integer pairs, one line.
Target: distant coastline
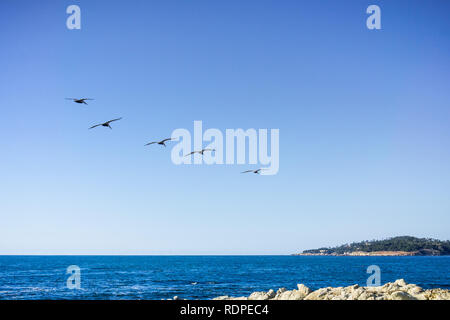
{"points": [[372, 254], [397, 246]]}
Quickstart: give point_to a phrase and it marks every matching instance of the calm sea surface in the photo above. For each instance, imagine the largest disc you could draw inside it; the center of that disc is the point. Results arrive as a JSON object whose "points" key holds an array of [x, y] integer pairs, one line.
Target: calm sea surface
{"points": [[202, 277]]}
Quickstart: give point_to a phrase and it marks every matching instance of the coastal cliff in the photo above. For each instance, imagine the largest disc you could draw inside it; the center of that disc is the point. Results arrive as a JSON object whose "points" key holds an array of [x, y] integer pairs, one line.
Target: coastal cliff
{"points": [[398, 290]]}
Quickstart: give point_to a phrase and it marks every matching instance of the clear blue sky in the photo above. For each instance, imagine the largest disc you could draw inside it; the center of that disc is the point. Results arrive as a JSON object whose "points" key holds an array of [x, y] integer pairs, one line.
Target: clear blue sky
{"points": [[363, 118]]}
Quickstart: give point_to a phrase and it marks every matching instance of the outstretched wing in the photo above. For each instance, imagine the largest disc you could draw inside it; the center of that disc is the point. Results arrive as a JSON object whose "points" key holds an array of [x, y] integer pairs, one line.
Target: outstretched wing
{"points": [[190, 153], [112, 120], [168, 139], [247, 171], [150, 143], [209, 149], [86, 99], [95, 126]]}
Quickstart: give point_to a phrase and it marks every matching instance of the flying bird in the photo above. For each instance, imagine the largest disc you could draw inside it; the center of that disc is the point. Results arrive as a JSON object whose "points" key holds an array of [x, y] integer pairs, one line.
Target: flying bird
{"points": [[105, 124], [79, 100], [200, 152], [254, 171], [162, 142]]}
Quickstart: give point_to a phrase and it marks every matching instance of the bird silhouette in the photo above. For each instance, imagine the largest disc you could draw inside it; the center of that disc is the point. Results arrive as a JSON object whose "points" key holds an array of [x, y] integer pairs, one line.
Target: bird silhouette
{"points": [[257, 171], [105, 124], [200, 152], [79, 100], [162, 142]]}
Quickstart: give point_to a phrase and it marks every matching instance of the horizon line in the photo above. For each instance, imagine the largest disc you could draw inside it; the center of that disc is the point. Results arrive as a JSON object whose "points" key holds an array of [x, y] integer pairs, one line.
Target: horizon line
{"points": [[163, 254]]}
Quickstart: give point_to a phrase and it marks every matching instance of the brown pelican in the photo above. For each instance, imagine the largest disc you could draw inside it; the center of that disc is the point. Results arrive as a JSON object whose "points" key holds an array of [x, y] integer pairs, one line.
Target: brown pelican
{"points": [[254, 171], [162, 142], [200, 152], [105, 124], [79, 100]]}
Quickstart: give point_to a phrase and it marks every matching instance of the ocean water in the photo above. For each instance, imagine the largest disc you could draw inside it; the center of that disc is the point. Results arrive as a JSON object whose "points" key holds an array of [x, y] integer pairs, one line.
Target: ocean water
{"points": [[202, 277]]}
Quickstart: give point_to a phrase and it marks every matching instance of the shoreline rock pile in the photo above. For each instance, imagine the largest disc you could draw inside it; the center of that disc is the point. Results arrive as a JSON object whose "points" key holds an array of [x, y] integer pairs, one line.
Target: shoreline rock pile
{"points": [[398, 290]]}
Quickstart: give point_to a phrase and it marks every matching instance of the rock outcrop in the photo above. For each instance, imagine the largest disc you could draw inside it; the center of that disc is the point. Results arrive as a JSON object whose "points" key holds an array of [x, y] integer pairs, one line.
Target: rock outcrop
{"points": [[398, 290]]}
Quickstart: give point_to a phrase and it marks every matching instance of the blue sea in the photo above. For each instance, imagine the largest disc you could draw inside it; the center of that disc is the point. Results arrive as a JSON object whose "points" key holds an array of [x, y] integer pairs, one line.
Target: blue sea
{"points": [[202, 277]]}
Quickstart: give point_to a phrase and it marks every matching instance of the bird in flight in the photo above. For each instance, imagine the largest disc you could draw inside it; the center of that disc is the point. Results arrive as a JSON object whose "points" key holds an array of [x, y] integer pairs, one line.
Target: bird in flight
{"points": [[162, 142], [79, 100], [257, 171], [200, 152], [105, 124]]}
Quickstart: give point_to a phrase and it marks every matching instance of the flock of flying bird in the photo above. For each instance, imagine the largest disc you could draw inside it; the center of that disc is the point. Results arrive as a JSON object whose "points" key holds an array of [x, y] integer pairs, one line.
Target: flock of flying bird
{"points": [[162, 142]]}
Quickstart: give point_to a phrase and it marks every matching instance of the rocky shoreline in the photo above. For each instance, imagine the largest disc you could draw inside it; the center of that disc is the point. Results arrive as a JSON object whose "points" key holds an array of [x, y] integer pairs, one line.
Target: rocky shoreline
{"points": [[398, 290]]}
